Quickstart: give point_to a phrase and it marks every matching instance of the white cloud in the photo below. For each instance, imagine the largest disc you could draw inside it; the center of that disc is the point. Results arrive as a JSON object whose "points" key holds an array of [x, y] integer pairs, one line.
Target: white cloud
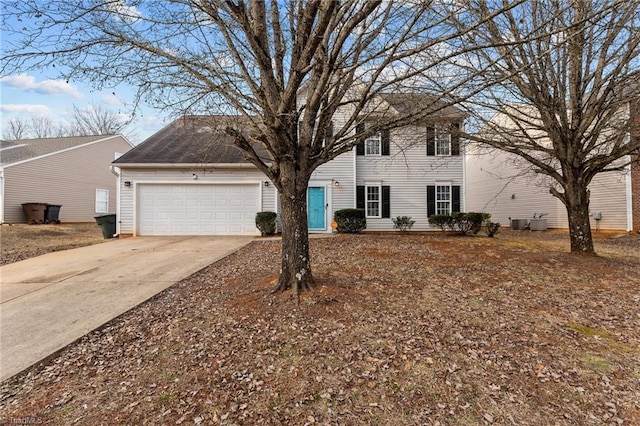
{"points": [[29, 109], [112, 99], [45, 87], [125, 12]]}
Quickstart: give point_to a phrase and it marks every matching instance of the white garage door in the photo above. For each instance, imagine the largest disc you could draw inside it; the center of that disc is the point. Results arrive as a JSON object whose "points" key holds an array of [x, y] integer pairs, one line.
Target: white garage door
{"points": [[197, 209]]}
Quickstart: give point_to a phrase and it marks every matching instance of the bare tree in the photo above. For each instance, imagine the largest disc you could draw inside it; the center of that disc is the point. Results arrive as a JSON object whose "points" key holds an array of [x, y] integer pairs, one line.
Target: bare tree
{"points": [[96, 120], [286, 67], [41, 127], [17, 128], [567, 87]]}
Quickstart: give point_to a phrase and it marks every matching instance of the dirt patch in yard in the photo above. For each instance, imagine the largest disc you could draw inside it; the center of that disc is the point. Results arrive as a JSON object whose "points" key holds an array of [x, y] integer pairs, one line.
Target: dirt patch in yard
{"points": [[400, 329], [19, 242]]}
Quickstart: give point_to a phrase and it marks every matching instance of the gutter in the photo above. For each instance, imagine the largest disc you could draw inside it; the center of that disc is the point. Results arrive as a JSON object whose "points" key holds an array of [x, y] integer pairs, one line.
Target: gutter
{"points": [[186, 165]]}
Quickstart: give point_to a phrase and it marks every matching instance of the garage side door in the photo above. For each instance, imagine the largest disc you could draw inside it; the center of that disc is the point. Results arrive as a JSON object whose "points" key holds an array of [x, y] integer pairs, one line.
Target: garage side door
{"points": [[197, 209]]}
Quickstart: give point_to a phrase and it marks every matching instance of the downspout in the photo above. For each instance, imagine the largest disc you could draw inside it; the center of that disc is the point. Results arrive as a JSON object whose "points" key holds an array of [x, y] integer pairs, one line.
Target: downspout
{"points": [[116, 171], [629, 196]]}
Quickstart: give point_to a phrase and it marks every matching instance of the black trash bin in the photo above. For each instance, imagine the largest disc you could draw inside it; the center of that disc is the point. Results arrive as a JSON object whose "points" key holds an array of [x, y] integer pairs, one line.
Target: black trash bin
{"points": [[52, 213], [108, 224], [34, 212]]}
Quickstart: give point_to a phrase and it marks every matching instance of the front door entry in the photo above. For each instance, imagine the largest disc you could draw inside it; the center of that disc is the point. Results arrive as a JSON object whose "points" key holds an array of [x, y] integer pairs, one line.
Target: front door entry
{"points": [[316, 207]]}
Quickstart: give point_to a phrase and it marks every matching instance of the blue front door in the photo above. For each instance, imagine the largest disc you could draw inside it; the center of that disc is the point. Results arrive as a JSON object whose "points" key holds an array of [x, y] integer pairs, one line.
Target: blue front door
{"points": [[316, 207]]}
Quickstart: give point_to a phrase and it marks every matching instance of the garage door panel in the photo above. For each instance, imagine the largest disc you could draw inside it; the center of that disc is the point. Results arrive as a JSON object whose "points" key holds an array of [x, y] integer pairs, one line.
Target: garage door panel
{"points": [[197, 209]]}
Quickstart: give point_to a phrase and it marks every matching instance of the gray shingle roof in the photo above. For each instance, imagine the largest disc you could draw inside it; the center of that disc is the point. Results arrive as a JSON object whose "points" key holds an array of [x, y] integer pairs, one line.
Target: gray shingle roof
{"points": [[190, 140], [412, 103], [26, 149]]}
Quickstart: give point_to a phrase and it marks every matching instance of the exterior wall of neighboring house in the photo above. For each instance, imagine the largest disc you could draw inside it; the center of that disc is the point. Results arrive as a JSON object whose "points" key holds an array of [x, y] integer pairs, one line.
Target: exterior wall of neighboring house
{"points": [[635, 194], [497, 183], [407, 171], [136, 176], [69, 178]]}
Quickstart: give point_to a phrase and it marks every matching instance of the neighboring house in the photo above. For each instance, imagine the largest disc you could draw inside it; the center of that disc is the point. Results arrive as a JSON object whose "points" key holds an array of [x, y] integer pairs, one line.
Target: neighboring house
{"points": [[189, 179], [503, 185], [74, 172]]}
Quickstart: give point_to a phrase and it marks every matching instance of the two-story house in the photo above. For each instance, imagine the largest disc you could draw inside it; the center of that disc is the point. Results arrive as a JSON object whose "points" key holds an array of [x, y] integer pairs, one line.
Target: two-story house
{"points": [[189, 178]]}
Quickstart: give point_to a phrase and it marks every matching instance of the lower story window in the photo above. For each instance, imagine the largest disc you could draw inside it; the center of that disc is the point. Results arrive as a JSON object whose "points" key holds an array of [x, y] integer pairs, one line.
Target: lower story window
{"points": [[373, 201], [102, 201], [443, 199]]}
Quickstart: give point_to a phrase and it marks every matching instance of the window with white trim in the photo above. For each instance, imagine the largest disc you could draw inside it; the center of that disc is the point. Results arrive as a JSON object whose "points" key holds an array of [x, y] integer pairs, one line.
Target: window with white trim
{"points": [[442, 141], [102, 201], [372, 201], [443, 199], [373, 145]]}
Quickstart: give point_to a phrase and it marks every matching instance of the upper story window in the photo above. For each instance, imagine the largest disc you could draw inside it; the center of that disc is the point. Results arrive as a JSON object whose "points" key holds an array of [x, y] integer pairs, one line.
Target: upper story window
{"points": [[442, 140], [372, 145]]}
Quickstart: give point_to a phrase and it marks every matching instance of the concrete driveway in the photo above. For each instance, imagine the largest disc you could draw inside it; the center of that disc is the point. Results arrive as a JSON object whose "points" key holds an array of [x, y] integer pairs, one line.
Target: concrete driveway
{"points": [[50, 301]]}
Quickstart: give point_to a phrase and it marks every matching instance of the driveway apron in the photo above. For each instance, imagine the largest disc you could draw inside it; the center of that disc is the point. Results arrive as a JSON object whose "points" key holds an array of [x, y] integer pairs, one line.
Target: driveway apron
{"points": [[50, 301]]}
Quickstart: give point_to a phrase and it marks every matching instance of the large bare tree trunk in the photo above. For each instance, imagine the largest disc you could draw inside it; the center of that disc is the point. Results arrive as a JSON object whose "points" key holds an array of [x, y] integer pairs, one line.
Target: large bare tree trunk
{"points": [[577, 204], [296, 262]]}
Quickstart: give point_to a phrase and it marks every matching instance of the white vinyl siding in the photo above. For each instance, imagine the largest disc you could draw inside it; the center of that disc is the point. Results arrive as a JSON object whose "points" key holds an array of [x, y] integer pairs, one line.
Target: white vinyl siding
{"points": [[408, 171], [102, 201], [496, 185]]}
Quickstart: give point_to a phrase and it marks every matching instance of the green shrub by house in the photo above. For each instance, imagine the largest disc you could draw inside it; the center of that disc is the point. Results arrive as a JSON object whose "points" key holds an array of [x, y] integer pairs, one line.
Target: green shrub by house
{"points": [[403, 223], [266, 223], [492, 228], [442, 221], [350, 220], [459, 222]]}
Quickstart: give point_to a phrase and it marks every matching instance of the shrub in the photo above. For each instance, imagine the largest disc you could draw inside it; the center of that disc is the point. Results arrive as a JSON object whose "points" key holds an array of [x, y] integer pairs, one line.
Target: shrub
{"points": [[468, 222], [461, 223], [442, 221], [492, 228], [266, 223], [403, 223], [350, 220]]}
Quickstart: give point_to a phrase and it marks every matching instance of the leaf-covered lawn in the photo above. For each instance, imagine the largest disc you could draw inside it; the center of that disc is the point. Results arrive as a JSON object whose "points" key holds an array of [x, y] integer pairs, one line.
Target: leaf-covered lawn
{"points": [[401, 329]]}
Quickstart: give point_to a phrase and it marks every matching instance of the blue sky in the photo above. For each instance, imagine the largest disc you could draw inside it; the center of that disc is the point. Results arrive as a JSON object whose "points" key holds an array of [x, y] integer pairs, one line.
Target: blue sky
{"points": [[38, 95]]}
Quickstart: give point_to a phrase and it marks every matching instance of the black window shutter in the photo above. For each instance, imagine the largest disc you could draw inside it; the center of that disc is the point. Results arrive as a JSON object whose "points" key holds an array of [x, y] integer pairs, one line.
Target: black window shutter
{"points": [[384, 136], [431, 140], [431, 200], [360, 146], [455, 139], [360, 197], [386, 201], [455, 199]]}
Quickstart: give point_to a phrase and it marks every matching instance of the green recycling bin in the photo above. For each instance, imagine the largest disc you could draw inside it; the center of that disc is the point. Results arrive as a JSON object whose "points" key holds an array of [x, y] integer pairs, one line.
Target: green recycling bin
{"points": [[108, 224]]}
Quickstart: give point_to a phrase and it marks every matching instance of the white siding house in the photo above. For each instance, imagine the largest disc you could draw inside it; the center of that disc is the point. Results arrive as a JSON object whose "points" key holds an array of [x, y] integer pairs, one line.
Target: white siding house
{"points": [[505, 186], [189, 179]]}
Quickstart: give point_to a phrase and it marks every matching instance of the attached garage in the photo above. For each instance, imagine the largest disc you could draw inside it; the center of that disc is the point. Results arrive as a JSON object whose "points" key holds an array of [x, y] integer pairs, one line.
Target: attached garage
{"points": [[197, 208]]}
